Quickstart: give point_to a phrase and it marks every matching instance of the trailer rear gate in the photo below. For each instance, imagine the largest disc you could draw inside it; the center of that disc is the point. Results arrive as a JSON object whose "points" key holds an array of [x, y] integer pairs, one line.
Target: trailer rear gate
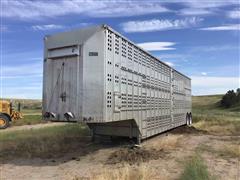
{"points": [[98, 76]]}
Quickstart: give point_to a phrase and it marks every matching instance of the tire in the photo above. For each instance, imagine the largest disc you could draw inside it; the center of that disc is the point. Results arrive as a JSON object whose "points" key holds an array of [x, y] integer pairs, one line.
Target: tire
{"points": [[187, 119], [190, 118], [4, 121]]}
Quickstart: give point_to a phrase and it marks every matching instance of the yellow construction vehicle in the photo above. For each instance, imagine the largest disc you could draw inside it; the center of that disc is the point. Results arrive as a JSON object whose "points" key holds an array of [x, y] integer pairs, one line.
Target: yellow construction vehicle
{"points": [[7, 114]]}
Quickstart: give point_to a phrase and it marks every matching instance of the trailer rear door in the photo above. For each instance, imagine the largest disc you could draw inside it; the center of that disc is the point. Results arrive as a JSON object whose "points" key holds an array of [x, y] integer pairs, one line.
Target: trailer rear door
{"points": [[63, 81]]}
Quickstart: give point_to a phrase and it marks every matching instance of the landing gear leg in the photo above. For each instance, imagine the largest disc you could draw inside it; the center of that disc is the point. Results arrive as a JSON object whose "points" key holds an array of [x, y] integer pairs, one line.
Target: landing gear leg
{"points": [[93, 135], [138, 139]]}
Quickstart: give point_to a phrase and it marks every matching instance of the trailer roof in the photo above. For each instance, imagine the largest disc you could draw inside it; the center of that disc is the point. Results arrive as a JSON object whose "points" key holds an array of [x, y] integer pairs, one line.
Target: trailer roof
{"points": [[111, 29], [89, 31], [69, 37]]}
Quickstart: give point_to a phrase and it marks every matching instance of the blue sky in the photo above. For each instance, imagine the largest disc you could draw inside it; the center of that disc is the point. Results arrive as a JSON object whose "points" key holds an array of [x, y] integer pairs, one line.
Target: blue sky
{"points": [[199, 38]]}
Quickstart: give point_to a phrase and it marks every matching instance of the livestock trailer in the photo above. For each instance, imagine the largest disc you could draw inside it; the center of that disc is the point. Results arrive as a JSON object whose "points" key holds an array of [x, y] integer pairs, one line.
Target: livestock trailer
{"points": [[97, 76]]}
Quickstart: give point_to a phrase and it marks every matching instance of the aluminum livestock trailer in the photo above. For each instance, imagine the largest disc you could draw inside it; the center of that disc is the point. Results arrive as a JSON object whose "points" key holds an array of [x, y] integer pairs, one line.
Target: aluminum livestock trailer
{"points": [[97, 76]]}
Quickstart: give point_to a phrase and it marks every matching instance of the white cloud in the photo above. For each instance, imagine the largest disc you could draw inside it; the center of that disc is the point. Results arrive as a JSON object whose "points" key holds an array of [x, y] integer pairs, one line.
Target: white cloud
{"points": [[170, 63], [39, 9], [157, 46], [128, 8], [28, 9], [232, 27], [159, 24], [46, 27], [235, 14], [204, 73], [203, 85], [208, 4], [196, 7], [195, 11]]}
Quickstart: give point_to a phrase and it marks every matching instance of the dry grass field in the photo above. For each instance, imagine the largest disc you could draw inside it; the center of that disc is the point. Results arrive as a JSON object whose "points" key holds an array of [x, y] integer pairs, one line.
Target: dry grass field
{"points": [[210, 149]]}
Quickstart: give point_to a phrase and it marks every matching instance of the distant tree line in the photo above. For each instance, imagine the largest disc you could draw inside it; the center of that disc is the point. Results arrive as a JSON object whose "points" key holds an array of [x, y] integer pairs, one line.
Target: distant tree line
{"points": [[231, 98]]}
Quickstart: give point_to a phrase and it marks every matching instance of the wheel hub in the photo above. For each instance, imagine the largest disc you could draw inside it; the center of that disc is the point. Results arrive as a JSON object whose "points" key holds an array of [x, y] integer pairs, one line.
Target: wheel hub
{"points": [[2, 122]]}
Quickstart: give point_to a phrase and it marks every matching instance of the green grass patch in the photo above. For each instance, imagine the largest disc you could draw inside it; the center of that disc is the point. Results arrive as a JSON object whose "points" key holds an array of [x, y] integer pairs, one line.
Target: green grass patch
{"points": [[28, 120], [31, 111], [209, 116], [44, 142], [196, 169], [209, 106]]}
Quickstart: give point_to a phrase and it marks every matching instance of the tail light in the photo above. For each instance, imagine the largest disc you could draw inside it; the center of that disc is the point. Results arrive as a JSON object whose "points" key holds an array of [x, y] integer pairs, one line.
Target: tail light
{"points": [[69, 115], [50, 115]]}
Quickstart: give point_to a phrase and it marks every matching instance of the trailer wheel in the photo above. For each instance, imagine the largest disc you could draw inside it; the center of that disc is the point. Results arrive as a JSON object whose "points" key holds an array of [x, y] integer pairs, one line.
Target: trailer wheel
{"points": [[187, 119], [4, 121], [190, 118]]}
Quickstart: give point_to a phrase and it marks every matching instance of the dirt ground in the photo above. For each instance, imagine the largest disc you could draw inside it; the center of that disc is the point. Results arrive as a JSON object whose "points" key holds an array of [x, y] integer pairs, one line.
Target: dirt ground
{"points": [[165, 154]]}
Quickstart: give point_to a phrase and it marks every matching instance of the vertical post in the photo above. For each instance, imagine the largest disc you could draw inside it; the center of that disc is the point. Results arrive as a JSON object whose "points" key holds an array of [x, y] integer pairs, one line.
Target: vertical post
{"points": [[93, 134], [11, 107], [139, 138], [19, 107], [78, 95], [131, 129]]}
